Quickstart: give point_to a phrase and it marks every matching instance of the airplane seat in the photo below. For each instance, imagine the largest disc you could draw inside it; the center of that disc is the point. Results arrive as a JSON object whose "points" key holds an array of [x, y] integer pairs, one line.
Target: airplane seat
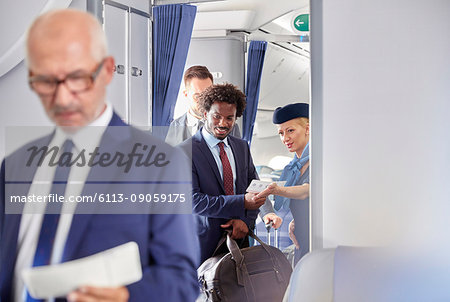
{"points": [[370, 274], [312, 278]]}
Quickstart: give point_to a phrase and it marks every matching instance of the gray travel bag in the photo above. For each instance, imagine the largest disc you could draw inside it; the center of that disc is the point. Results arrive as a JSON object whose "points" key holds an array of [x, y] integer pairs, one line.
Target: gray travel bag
{"points": [[253, 274]]}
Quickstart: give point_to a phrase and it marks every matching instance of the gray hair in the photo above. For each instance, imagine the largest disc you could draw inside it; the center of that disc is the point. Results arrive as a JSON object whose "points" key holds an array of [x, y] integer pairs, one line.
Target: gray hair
{"points": [[98, 43]]}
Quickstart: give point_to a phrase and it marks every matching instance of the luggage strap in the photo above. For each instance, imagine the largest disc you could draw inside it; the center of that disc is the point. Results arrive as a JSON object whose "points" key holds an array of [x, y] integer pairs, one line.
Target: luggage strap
{"points": [[243, 278]]}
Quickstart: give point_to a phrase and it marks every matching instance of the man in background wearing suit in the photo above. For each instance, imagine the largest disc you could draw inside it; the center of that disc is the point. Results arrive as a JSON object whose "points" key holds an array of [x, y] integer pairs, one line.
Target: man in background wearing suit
{"points": [[222, 169], [69, 70], [196, 79]]}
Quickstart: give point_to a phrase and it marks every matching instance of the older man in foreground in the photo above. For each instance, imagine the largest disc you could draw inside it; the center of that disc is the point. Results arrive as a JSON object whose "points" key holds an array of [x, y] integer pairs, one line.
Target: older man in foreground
{"points": [[69, 70]]}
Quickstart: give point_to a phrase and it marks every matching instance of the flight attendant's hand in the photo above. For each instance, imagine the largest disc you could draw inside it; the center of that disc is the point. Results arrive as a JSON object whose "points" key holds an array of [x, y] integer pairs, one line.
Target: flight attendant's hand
{"points": [[271, 189], [292, 236], [274, 218]]}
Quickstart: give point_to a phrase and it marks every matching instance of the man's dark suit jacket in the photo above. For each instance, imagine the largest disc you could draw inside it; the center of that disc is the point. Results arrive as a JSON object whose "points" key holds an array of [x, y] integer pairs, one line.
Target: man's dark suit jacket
{"points": [[210, 203], [167, 243], [179, 132]]}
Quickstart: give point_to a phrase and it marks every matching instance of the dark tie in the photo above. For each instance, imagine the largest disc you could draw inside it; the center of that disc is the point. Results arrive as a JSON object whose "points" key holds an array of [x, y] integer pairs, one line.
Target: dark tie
{"points": [[227, 172], [52, 213]]}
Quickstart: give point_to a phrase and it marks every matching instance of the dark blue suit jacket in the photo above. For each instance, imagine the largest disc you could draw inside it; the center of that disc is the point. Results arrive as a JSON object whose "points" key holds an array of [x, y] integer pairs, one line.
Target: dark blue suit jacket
{"points": [[167, 243], [210, 203]]}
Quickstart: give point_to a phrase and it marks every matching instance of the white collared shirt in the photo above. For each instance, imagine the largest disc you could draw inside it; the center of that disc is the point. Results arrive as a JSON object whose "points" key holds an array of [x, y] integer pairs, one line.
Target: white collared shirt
{"points": [[192, 122], [212, 142], [87, 139]]}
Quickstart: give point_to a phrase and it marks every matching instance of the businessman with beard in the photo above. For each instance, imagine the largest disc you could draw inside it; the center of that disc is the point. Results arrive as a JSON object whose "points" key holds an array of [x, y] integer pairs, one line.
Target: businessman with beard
{"points": [[222, 169]]}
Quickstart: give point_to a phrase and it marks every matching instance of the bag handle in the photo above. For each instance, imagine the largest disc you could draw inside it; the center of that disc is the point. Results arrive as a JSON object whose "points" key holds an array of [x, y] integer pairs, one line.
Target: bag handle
{"points": [[243, 277], [223, 239], [239, 258], [220, 243]]}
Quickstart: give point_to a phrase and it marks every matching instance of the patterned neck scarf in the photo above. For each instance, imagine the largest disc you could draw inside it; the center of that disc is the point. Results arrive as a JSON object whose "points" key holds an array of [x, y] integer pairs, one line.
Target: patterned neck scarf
{"points": [[291, 174]]}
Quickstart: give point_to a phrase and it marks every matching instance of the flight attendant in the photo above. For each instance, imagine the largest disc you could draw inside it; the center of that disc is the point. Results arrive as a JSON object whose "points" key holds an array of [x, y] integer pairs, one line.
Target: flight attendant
{"points": [[292, 122]]}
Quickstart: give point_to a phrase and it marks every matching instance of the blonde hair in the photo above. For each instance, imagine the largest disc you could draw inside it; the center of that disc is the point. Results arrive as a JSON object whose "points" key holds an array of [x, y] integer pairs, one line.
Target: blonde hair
{"points": [[302, 121]]}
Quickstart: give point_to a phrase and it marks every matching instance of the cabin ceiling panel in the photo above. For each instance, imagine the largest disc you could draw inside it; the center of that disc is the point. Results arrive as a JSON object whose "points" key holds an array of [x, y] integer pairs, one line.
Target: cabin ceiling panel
{"points": [[264, 10]]}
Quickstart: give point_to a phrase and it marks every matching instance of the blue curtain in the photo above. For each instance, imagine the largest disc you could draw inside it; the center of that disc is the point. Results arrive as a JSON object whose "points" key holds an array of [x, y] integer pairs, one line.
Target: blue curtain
{"points": [[172, 30], [256, 53]]}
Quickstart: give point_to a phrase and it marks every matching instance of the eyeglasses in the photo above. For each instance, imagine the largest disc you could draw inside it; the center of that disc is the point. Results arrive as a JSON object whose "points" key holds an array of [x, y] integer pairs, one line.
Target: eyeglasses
{"points": [[76, 82]]}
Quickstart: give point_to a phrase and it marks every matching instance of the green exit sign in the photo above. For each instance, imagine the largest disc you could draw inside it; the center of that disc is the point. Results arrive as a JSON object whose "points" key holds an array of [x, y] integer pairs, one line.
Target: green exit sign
{"points": [[301, 22]]}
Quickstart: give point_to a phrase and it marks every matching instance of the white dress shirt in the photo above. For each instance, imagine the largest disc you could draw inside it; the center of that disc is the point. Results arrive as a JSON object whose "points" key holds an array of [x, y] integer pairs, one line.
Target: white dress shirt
{"points": [[212, 142], [192, 122], [86, 138]]}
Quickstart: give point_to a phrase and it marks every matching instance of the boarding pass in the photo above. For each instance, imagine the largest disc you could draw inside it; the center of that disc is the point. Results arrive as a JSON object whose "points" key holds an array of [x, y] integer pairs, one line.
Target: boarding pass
{"points": [[111, 268], [257, 186]]}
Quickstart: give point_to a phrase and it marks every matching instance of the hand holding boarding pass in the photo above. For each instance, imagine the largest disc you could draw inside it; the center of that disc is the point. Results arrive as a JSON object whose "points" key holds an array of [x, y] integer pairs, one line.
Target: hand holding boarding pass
{"points": [[257, 186], [115, 267]]}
